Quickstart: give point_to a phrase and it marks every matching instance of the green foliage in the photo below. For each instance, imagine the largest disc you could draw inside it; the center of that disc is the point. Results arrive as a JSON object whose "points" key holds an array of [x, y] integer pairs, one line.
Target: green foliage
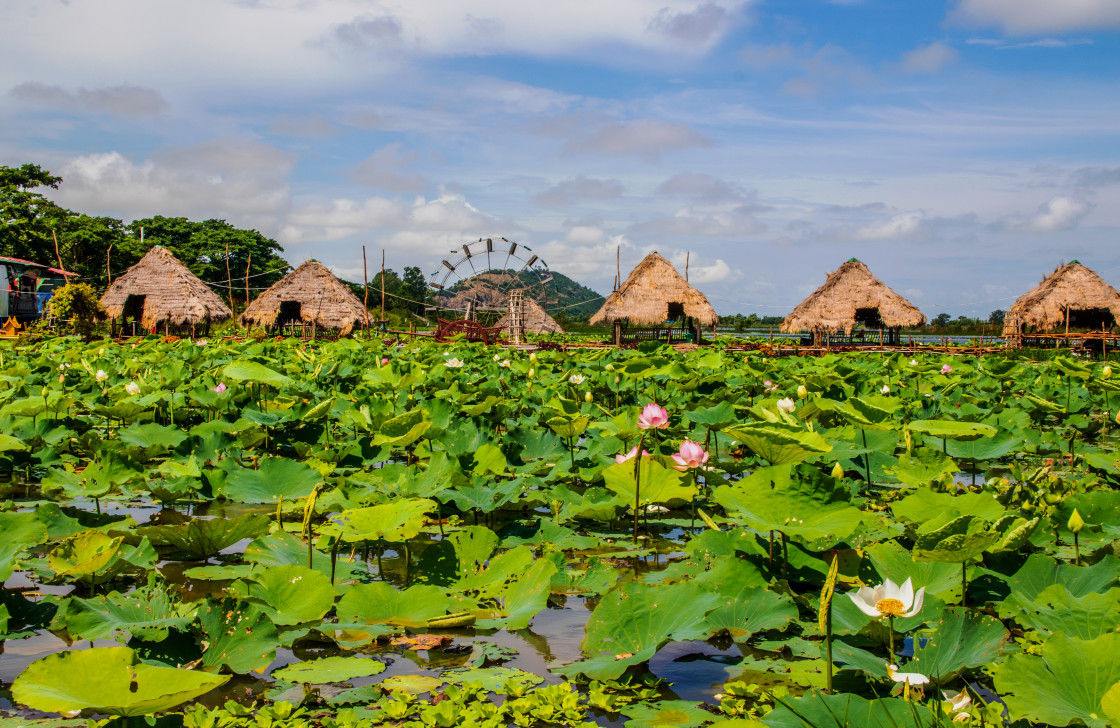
{"points": [[78, 304]]}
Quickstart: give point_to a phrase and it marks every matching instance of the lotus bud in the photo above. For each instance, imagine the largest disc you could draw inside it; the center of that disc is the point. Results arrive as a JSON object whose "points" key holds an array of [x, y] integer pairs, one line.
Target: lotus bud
{"points": [[101, 375], [885, 390], [617, 380], [532, 373], [1106, 372], [587, 397], [609, 367], [1076, 522], [837, 471], [802, 391], [786, 405], [532, 356]]}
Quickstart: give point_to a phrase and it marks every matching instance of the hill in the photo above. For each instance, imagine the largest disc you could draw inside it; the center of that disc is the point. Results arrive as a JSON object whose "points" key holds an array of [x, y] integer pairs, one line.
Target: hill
{"points": [[578, 302]]}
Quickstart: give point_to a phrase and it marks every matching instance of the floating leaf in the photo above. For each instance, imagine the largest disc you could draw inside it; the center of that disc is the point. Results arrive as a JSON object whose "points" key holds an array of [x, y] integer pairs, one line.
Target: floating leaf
{"points": [[329, 670]]}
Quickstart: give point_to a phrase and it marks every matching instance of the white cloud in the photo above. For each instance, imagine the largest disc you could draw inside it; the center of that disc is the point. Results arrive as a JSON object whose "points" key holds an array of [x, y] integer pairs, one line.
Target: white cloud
{"points": [[1026, 17], [124, 100], [897, 227], [303, 125], [699, 270], [387, 168], [929, 58], [579, 189], [646, 138], [700, 26], [1000, 44], [1097, 176], [1060, 213], [736, 223], [700, 187]]}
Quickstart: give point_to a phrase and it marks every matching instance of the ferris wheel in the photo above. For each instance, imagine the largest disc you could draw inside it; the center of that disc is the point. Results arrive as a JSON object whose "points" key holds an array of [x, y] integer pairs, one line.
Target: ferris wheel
{"points": [[486, 271]]}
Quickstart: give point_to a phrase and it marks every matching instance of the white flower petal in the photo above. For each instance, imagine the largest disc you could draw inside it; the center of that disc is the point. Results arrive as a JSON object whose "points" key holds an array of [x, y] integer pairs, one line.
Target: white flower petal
{"points": [[919, 599], [862, 604], [906, 594]]}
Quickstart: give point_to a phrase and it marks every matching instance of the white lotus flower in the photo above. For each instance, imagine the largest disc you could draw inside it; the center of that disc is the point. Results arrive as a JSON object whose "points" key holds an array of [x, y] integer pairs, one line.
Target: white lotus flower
{"points": [[786, 405], [132, 388], [910, 678], [453, 363], [101, 375], [576, 379], [497, 357], [889, 599], [505, 363], [885, 390], [959, 701], [913, 362]]}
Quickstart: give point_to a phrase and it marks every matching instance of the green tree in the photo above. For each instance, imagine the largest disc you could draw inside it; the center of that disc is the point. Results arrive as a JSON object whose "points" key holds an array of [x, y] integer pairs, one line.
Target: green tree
{"points": [[78, 304], [941, 319], [996, 317], [25, 215], [415, 289]]}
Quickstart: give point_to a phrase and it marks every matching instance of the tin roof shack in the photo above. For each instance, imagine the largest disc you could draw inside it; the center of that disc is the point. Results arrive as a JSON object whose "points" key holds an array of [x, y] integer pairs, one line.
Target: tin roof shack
{"points": [[26, 286]]}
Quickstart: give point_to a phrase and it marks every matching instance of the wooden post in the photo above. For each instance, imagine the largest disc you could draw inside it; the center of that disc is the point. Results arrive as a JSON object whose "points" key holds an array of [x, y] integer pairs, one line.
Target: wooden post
{"points": [[365, 282], [61, 267], [229, 279], [248, 263], [108, 272], [617, 267], [1067, 307], [383, 285], [616, 332], [687, 255]]}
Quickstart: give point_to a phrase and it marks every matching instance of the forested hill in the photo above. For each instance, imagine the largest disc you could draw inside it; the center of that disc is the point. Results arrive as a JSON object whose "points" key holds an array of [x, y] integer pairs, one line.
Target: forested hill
{"points": [[577, 301]]}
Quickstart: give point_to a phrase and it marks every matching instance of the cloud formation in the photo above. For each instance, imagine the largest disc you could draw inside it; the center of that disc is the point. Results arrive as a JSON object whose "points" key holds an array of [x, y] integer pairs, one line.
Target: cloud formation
{"points": [[1060, 213], [1027, 17], [388, 169], [696, 27], [578, 189], [123, 100], [929, 58], [645, 138]]}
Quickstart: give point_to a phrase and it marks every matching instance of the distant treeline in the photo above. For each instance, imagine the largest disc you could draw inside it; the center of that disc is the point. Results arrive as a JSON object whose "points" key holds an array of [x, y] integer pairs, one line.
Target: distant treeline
{"points": [[942, 323]]}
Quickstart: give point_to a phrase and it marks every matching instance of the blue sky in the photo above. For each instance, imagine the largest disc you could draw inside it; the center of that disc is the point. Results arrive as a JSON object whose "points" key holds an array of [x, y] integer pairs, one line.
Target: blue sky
{"points": [[962, 149]]}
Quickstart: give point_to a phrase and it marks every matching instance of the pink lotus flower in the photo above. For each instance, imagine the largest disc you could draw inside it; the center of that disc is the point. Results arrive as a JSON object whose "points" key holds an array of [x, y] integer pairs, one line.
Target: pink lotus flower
{"points": [[220, 388], [690, 456], [630, 455], [653, 416], [384, 360], [946, 369]]}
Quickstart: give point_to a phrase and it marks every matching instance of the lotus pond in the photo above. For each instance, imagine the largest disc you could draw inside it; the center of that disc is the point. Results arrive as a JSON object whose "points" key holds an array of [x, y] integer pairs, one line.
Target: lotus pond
{"points": [[283, 533]]}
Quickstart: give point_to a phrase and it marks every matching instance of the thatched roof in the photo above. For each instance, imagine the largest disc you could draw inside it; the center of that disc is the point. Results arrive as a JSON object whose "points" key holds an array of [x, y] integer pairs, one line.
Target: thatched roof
{"points": [[1072, 287], [537, 320], [848, 296], [645, 295], [323, 299], [171, 292]]}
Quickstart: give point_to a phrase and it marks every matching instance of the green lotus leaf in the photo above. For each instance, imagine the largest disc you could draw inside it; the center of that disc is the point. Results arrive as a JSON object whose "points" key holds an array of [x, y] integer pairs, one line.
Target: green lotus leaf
{"points": [[988, 448], [923, 466], [848, 710], [108, 680], [21, 531], [488, 459], [961, 638], [933, 509], [414, 684], [1040, 571], [1067, 681], [397, 521], [319, 411], [779, 444], [895, 563], [148, 613], [568, 427], [12, 444], [1039, 404], [288, 594], [959, 541], [236, 635], [658, 483], [93, 557], [952, 429], [329, 670], [244, 370], [750, 611], [151, 435], [1099, 509], [275, 477], [810, 506], [523, 598], [281, 548], [403, 430], [203, 538], [1055, 609], [870, 413], [632, 622], [493, 679], [716, 417], [380, 603], [668, 713]]}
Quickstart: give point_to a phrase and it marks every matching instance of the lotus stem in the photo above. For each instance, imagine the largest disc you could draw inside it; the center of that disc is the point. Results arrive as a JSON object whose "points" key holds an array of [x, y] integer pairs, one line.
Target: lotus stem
{"points": [[638, 484], [1076, 550], [828, 648], [890, 631], [334, 556], [964, 583], [866, 457]]}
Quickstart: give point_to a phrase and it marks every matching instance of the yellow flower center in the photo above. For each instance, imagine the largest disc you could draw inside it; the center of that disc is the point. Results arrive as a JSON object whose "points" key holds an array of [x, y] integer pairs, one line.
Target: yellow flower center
{"points": [[890, 607]]}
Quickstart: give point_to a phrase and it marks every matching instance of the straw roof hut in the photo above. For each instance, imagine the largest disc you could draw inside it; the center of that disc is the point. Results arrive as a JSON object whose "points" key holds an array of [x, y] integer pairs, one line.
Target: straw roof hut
{"points": [[310, 294], [654, 293], [1073, 295], [161, 290], [537, 320], [852, 295]]}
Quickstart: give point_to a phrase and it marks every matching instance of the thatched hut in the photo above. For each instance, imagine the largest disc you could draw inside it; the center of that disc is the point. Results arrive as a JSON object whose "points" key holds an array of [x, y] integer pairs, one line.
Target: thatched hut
{"points": [[308, 297], [853, 296], [537, 320], [159, 291], [1072, 296], [655, 296]]}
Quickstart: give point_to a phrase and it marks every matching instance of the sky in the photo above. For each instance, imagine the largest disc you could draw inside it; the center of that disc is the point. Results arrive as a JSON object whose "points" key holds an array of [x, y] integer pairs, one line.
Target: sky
{"points": [[962, 149]]}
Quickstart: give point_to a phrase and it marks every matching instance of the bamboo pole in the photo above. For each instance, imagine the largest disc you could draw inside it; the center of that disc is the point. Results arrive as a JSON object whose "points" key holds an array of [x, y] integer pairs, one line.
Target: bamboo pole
{"points": [[365, 282], [248, 263], [687, 255], [108, 271], [383, 285], [58, 255], [229, 279]]}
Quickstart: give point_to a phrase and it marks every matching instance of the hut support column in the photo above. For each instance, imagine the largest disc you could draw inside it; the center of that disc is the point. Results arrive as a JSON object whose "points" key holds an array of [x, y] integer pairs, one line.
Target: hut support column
{"points": [[616, 334]]}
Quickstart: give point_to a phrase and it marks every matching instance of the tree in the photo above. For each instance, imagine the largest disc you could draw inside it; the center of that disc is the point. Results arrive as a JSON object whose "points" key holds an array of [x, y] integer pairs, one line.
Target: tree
{"points": [[415, 289], [996, 317], [77, 303], [941, 319], [25, 229]]}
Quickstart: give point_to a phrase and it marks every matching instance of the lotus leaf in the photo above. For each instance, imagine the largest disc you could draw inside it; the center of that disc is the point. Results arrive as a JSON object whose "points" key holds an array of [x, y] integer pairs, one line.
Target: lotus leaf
{"points": [[380, 603], [1040, 571], [403, 430], [523, 598], [675, 713], [93, 557], [895, 563], [415, 684], [848, 710], [779, 444], [12, 444], [923, 466], [274, 478], [658, 483], [152, 436], [751, 610], [109, 680], [281, 547], [329, 670], [933, 510], [236, 635], [493, 679], [958, 541], [203, 538], [1055, 609], [21, 530], [398, 521], [244, 370], [960, 639], [148, 613], [1067, 681], [288, 594]]}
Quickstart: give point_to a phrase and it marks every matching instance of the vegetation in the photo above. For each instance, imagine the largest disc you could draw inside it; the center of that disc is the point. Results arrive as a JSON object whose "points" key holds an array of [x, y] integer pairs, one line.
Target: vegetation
{"points": [[79, 306], [278, 522]]}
